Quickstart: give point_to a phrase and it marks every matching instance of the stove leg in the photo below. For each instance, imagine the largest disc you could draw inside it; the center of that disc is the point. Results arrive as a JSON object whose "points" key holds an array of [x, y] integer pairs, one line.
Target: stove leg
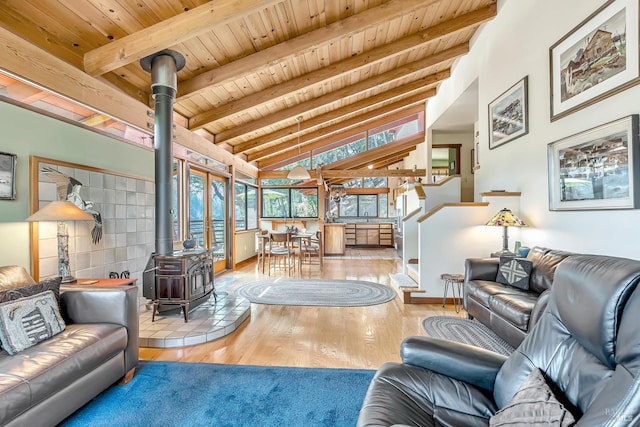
{"points": [[155, 309]]}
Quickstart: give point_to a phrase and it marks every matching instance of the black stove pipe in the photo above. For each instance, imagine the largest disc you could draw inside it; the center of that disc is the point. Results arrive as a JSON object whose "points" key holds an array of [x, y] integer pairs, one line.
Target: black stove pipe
{"points": [[163, 66]]}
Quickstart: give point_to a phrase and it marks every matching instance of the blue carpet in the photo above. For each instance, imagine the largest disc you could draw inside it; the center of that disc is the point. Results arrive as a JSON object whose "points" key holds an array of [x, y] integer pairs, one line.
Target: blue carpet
{"points": [[201, 394]]}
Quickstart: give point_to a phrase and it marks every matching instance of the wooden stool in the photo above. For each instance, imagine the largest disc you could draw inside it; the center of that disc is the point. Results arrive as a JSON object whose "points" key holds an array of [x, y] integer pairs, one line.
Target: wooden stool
{"points": [[455, 281]]}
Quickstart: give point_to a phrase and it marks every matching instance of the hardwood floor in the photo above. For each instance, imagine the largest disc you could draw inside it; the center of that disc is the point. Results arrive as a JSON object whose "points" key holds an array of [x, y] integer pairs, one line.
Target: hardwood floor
{"points": [[336, 337]]}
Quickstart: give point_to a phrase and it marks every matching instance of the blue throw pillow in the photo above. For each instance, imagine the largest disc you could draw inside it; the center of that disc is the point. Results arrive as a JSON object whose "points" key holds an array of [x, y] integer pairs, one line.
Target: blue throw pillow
{"points": [[514, 272]]}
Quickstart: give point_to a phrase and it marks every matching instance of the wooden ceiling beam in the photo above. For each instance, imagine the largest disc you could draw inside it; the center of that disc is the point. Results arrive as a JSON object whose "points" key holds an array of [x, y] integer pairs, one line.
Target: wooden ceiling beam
{"points": [[296, 46], [371, 173], [167, 33], [406, 91], [408, 94], [351, 173], [357, 162], [300, 109], [295, 152], [201, 120], [305, 82], [329, 135], [368, 155]]}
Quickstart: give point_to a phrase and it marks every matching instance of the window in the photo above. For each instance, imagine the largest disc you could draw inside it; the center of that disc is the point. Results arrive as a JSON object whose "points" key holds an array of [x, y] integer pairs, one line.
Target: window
{"points": [[246, 206], [340, 153], [361, 205], [290, 202], [175, 199]]}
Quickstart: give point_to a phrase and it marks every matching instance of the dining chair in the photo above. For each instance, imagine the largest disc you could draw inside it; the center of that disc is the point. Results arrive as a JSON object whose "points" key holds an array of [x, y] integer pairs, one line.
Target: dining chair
{"points": [[281, 249], [311, 246], [261, 247]]}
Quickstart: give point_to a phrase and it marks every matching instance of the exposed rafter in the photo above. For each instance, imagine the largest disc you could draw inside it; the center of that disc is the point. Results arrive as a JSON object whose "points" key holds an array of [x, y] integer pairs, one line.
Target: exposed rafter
{"points": [[306, 81], [278, 53], [403, 72], [168, 33]]}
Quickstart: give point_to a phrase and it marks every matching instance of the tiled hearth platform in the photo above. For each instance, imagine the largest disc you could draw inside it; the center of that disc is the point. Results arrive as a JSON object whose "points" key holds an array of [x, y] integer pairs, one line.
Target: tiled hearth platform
{"points": [[209, 321]]}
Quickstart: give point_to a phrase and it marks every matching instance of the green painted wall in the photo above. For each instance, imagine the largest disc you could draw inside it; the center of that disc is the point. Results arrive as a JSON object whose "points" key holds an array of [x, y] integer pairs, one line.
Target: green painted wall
{"points": [[25, 134]]}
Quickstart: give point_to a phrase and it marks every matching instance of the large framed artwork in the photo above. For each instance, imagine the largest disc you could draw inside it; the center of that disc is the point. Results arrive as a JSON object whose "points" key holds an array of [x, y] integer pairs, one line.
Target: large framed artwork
{"points": [[7, 176], [596, 59], [508, 115], [597, 168]]}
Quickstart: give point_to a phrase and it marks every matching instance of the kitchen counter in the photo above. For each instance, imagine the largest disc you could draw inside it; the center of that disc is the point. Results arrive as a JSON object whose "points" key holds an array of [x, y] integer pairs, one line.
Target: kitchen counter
{"points": [[334, 238]]}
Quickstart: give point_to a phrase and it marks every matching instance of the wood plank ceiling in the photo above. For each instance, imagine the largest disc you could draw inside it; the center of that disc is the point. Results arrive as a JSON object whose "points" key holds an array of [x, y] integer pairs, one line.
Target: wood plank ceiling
{"points": [[253, 67]]}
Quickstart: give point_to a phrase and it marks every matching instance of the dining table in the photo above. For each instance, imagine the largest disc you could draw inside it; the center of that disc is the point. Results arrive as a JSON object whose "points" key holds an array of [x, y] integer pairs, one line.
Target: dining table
{"points": [[295, 240]]}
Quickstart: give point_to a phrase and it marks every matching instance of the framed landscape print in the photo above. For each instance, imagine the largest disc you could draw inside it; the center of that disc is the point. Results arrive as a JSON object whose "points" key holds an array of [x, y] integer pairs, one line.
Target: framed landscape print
{"points": [[596, 169], [508, 115], [596, 59], [7, 176]]}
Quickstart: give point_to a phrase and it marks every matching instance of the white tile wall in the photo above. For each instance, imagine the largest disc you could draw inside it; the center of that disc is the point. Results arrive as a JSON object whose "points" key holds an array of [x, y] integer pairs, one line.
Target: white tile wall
{"points": [[127, 208]]}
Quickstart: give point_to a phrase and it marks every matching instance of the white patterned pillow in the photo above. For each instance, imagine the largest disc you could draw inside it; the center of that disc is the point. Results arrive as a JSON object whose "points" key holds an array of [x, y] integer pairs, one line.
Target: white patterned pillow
{"points": [[27, 321], [514, 272]]}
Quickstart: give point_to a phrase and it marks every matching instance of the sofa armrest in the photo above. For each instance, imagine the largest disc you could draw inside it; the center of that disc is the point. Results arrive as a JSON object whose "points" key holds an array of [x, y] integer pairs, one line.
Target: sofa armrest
{"points": [[473, 365], [117, 305], [481, 269]]}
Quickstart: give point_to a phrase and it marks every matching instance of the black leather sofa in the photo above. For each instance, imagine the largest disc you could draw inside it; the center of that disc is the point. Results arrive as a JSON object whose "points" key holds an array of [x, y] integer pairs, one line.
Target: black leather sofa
{"points": [[586, 343], [44, 384], [507, 310]]}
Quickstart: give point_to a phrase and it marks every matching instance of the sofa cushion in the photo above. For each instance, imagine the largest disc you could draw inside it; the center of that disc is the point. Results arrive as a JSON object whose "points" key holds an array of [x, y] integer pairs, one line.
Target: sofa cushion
{"points": [[516, 308], [514, 272], [534, 404], [41, 371], [512, 304], [27, 321], [29, 289], [484, 291]]}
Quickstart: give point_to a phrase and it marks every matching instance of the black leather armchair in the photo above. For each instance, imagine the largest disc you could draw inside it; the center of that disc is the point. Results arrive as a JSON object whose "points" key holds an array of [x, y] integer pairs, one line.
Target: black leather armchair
{"points": [[586, 342]]}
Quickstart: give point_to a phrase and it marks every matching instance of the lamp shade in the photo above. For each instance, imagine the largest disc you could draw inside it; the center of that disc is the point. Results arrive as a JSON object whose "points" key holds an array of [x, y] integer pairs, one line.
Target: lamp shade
{"points": [[60, 211], [298, 172], [506, 218]]}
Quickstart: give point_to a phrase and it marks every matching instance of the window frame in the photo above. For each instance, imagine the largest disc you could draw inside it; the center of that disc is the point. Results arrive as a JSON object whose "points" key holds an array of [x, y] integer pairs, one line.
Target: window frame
{"points": [[245, 208], [289, 204]]}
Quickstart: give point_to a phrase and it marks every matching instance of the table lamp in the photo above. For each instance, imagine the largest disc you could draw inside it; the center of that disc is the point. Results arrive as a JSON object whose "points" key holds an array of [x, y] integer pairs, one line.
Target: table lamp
{"points": [[61, 211], [505, 218]]}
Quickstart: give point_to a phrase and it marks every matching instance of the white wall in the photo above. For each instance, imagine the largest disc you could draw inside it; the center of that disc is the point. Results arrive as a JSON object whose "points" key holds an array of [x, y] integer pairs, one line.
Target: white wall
{"points": [[516, 44], [466, 140]]}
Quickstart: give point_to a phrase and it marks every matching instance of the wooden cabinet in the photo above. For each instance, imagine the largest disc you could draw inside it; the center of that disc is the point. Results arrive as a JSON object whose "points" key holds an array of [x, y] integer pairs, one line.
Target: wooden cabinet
{"points": [[334, 239], [350, 234], [386, 235], [369, 234]]}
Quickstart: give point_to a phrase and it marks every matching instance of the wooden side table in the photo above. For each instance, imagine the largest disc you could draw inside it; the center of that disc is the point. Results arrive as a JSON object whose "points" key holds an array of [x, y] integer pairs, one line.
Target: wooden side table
{"points": [[102, 282]]}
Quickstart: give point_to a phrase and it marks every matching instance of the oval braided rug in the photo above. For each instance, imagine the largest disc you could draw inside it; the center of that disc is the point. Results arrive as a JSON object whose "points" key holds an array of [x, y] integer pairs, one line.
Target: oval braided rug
{"points": [[465, 331], [320, 292]]}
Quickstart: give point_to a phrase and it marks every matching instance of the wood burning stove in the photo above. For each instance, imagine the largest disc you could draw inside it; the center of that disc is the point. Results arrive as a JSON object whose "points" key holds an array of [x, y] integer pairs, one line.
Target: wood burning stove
{"points": [[183, 279]]}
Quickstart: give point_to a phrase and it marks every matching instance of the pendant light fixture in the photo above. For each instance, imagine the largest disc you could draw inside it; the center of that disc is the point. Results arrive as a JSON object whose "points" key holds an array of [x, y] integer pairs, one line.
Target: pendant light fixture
{"points": [[298, 172]]}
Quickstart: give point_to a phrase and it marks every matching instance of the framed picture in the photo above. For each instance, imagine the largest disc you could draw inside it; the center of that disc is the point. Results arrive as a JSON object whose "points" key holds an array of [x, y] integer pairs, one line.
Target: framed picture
{"points": [[596, 169], [508, 115], [596, 59], [7, 176]]}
